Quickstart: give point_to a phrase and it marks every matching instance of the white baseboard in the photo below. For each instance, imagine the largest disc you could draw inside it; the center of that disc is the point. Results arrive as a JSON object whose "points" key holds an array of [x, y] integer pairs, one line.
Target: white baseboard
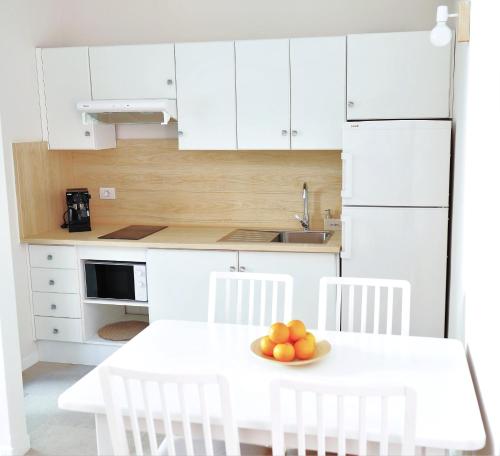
{"points": [[74, 352], [30, 360], [23, 448]]}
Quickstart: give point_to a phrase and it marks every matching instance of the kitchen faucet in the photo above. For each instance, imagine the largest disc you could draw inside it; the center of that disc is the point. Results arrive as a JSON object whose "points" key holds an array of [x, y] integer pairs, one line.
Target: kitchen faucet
{"points": [[304, 220]]}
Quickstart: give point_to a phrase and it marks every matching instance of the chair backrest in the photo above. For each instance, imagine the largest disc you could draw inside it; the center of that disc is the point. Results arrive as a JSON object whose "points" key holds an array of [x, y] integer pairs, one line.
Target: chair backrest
{"points": [[369, 400], [246, 296], [374, 296], [147, 398]]}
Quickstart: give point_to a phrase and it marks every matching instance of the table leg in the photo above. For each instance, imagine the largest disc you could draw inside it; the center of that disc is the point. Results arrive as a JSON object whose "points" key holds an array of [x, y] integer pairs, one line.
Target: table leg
{"points": [[104, 446]]}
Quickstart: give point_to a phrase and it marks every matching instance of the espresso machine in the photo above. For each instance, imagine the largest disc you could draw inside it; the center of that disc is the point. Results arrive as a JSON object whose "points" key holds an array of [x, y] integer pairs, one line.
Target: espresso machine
{"points": [[77, 217]]}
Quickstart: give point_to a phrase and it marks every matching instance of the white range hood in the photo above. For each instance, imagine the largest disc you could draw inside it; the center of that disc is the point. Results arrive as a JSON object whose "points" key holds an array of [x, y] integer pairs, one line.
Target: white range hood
{"points": [[128, 111]]}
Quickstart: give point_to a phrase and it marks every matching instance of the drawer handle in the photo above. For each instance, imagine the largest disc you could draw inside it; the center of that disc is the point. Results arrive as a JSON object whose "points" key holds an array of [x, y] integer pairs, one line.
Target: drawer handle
{"points": [[49, 257], [242, 269], [55, 331], [53, 306], [52, 282]]}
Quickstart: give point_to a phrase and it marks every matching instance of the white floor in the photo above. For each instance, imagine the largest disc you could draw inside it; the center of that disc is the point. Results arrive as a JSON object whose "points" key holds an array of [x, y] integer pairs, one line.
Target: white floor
{"points": [[52, 431]]}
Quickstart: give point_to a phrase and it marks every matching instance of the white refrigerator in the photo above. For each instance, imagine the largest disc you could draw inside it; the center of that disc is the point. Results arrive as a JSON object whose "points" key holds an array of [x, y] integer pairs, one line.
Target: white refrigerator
{"points": [[395, 193]]}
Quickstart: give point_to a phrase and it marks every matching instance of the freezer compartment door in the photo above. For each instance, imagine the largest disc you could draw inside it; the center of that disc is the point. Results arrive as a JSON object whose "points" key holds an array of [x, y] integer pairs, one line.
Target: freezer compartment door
{"points": [[396, 163], [401, 243]]}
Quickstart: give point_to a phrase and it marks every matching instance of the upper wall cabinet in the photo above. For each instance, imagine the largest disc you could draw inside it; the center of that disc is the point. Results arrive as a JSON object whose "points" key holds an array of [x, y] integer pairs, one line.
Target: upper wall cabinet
{"points": [[66, 81], [263, 94], [206, 98], [131, 72], [397, 76], [317, 69]]}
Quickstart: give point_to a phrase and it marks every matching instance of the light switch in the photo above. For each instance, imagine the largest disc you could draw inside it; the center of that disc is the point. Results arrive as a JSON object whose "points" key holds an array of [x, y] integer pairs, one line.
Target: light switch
{"points": [[107, 193]]}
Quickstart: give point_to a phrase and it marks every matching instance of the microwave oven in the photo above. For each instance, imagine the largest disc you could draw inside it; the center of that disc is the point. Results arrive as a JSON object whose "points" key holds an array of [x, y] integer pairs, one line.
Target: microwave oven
{"points": [[116, 280]]}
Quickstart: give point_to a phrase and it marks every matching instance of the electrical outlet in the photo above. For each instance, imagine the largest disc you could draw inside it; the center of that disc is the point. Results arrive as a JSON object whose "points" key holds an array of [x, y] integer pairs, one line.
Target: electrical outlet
{"points": [[107, 193], [332, 224]]}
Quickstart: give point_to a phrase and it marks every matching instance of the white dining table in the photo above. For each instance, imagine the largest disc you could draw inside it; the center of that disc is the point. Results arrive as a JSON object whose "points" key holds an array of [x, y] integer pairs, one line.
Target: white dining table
{"points": [[448, 415]]}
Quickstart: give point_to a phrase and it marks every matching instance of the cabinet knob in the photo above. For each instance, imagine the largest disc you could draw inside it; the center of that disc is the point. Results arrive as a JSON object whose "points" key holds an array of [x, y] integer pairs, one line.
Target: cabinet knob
{"points": [[87, 133], [284, 132], [232, 268], [350, 104], [53, 307], [170, 82], [55, 331], [49, 257], [242, 269], [295, 132], [52, 282], [180, 133]]}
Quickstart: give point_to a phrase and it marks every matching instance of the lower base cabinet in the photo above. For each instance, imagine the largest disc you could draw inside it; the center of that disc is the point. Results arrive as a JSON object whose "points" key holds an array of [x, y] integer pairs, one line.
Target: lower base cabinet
{"points": [[178, 279]]}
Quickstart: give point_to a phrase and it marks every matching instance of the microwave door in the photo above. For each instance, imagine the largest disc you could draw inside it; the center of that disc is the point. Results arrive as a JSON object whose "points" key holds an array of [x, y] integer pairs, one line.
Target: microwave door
{"points": [[109, 281]]}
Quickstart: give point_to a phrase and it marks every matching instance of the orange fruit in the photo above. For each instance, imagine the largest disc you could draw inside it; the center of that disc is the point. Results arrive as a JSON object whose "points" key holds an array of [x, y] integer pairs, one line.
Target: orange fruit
{"points": [[284, 352], [310, 336], [267, 346], [304, 348], [279, 333], [297, 330]]}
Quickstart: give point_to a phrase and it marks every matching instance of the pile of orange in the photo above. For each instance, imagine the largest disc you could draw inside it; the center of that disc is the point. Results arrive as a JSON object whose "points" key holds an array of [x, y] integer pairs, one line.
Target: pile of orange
{"points": [[286, 342]]}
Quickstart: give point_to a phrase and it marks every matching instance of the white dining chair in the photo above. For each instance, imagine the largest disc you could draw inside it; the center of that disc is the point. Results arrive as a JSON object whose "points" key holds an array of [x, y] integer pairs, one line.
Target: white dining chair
{"points": [[247, 295], [147, 398], [343, 404], [362, 297]]}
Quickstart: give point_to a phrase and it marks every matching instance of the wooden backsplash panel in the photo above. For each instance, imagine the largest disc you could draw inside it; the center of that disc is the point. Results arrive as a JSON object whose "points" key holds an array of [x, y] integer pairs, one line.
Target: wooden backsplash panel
{"points": [[41, 179], [156, 183]]}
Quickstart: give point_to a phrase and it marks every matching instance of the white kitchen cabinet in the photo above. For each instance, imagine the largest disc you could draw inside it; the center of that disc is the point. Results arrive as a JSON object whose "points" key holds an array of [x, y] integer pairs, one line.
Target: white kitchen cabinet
{"points": [[397, 76], [306, 270], [178, 281], [317, 71], [132, 72], [66, 81], [263, 94], [206, 98]]}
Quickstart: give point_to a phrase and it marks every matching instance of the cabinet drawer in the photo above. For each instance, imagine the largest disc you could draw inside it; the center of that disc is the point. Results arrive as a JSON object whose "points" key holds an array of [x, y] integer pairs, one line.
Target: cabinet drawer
{"points": [[53, 256], [62, 329], [54, 280], [56, 305]]}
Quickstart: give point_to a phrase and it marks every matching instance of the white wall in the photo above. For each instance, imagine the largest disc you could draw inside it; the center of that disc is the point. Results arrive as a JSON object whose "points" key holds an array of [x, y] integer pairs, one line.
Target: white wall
{"points": [[62, 22], [19, 120], [476, 228]]}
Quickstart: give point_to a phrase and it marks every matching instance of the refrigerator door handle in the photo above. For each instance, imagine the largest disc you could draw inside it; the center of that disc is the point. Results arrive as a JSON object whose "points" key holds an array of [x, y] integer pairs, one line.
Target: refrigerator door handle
{"points": [[346, 175], [345, 252]]}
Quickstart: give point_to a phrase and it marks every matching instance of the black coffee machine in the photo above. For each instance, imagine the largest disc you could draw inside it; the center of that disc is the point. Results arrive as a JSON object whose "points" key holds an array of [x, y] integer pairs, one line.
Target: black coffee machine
{"points": [[77, 216]]}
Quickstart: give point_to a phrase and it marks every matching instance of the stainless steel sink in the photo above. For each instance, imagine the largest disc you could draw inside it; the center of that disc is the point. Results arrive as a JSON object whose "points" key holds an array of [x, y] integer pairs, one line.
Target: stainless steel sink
{"points": [[304, 237], [286, 237]]}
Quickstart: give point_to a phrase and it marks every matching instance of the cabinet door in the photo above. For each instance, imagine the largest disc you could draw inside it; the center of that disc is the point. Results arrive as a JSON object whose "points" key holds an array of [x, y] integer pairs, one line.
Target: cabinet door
{"points": [[178, 281], [131, 72], [306, 270], [317, 68], [263, 94], [206, 99], [397, 76], [66, 81]]}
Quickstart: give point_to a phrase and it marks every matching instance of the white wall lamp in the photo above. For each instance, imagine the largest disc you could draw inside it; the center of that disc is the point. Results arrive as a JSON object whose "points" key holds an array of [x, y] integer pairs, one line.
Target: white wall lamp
{"points": [[441, 34]]}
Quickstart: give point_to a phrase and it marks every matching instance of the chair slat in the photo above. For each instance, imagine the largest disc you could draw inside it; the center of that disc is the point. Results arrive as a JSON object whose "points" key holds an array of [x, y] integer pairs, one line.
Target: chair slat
{"points": [[263, 295], [384, 426], [274, 305], [167, 422], [186, 424], [376, 311], [362, 442], [320, 424], [207, 432], [364, 292], [134, 422], [227, 297], [390, 304], [341, 445], [238, 301], [153, 442], [351, 308], [338, 307], [299, 413], [251, 301]]}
